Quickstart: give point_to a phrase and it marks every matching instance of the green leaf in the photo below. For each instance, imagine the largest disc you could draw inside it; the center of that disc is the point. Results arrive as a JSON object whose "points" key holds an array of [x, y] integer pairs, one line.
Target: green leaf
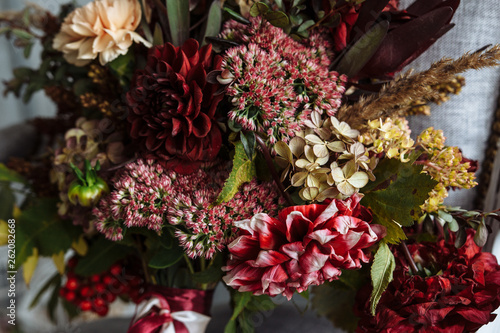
{"points": [[214, 20], [381, 273], [361, 52], [11, 176], [54, 280], [230, 327], [52, 304], [158, 35], [240, 300], [259, 9], [123, 68], [306, 25], [101, 255], [481, 235], [396, 195], [39, 226], [7, 200], [22, 34], [165, 257], [335, 303], [248, 140], [213, 274], [178, 20], [243, 171], [235, 16], [278, 19], [27, 50]]}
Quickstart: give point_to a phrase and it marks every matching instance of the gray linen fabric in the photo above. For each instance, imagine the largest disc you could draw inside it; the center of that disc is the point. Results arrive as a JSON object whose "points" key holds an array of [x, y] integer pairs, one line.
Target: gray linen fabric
{"points": [[465, 120]]}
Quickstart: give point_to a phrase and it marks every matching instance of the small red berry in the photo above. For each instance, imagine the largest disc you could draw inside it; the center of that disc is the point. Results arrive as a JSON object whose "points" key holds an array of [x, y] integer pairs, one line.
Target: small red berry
{"points": [[136, 281], [70, 296], [86, 291], [100, 288], [72, 283], [102, 311], [108, 297], [95, 278], [116, 269], [72, 262], [62, 292], [85, 305], [108, 279]]}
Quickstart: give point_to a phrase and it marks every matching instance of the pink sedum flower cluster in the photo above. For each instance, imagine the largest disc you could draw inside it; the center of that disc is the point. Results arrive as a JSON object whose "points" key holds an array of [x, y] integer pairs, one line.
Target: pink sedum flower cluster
{"points": [[276, 82], [303, 246], [147, 195]]}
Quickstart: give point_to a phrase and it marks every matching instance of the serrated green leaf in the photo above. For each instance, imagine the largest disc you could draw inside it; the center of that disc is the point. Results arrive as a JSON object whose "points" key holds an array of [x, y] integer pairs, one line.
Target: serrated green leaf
{"points": [[40, 226], [178, 20], [243, 171], [381, 274], [360, 53], [164, 257], [101, 255], [259, 9], [396, 195], [10, 175], [214, 20]]}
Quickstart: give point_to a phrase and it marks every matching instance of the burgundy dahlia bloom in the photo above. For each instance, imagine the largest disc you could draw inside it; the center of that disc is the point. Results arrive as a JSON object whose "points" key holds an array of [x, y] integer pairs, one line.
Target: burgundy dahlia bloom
{"points": [[459, 297], [305, 245], [172, 106]]}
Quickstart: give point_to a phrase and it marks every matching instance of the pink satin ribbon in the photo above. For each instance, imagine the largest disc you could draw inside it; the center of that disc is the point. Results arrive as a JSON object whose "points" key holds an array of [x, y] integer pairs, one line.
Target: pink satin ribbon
{"points": [[171, 300]]}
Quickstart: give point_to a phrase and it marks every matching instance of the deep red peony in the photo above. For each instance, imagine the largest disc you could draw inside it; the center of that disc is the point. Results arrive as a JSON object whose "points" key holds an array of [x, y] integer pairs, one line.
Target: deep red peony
{"points": [[172, 106], [305, 245], [460, 297]]}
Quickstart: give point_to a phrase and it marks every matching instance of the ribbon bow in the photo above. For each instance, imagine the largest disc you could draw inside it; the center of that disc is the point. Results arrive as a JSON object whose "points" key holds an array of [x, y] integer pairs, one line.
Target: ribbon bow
{"points": [[171, 310]]}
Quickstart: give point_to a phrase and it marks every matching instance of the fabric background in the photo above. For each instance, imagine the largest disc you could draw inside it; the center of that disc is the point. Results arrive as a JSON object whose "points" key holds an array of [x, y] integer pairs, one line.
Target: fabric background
{"points": [[465, 120]]}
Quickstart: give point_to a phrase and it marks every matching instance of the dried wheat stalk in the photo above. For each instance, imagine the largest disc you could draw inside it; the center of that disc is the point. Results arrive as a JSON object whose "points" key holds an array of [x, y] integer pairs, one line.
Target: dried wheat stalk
{"points": [[395, 97]]}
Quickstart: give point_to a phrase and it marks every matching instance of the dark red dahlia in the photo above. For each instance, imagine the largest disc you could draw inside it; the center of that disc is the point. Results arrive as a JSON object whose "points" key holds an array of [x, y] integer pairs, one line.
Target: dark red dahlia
{"points": [[172, 106], [460, 294]]}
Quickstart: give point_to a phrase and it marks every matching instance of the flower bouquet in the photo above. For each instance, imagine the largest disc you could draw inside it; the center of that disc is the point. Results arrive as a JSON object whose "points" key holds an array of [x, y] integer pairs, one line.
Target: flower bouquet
{"points": [[261, 145]]}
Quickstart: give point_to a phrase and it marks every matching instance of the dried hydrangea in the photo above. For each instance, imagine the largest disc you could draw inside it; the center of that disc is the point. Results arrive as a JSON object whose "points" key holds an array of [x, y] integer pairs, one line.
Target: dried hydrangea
{"points": [[390, 136], [146, 195], [325, 160], [275, 82]]}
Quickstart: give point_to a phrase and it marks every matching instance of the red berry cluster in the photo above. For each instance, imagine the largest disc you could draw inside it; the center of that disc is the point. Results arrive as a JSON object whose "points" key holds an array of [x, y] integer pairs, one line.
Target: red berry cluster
{"points": [[96, 292]]}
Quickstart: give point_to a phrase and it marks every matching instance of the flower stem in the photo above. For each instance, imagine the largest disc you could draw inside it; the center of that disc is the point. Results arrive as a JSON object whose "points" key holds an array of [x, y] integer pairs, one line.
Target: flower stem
{"points": [[274, 173], [189, 264], [409, 258]]}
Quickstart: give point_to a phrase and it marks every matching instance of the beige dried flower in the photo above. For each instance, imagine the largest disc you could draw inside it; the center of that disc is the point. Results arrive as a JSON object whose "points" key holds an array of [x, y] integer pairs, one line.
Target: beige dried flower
{"points": [[104, 28]]}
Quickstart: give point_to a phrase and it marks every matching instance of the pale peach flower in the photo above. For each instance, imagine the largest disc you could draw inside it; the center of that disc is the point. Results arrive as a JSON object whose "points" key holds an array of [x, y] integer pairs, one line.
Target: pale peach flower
{"points": [[103, 28]]}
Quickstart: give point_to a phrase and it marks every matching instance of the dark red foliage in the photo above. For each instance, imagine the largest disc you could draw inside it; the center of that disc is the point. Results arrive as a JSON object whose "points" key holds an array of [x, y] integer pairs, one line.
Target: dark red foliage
{"points": [[460, 296]]}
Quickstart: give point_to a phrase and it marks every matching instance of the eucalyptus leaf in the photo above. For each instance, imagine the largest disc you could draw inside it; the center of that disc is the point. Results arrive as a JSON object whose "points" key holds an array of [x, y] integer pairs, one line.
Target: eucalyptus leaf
{"points": [[362, 51], [259, 9], [278, 19], [178, 20], [214, 20]]}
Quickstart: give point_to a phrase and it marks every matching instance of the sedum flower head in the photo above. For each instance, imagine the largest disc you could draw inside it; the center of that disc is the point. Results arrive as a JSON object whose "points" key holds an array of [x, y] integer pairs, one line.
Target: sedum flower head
{"points": [[276, 82], [146, 195]]}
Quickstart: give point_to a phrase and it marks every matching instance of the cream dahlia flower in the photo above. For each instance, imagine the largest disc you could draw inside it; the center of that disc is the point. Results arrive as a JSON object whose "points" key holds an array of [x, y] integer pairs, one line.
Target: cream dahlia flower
{"points": [[102, 27]]}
